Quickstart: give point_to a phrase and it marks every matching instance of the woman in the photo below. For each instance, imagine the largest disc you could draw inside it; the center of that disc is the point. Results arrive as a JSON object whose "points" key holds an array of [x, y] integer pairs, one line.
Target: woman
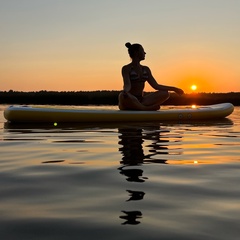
{"points": [[134, 77]]}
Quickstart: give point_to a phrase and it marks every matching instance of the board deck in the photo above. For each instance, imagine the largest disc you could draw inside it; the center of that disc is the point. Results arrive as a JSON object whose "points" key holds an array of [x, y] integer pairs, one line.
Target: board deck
{"points": [[49, 114]]}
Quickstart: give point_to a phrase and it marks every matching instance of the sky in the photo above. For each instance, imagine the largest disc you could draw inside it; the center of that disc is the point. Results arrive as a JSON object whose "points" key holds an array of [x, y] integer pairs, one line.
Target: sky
{"points": [[79, 45]]}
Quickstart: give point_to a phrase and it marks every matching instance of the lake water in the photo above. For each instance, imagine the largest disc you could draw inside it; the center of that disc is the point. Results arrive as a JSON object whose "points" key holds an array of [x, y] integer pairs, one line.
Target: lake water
{"points": [[120, 181]]}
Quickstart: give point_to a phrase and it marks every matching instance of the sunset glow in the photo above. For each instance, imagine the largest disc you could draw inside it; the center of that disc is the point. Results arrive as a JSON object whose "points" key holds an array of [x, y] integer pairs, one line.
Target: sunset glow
{"points": [[73, 48]]}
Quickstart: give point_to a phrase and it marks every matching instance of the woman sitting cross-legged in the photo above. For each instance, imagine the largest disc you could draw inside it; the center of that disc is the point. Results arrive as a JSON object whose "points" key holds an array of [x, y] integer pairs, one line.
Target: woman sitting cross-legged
{"points": [[134, 77]]}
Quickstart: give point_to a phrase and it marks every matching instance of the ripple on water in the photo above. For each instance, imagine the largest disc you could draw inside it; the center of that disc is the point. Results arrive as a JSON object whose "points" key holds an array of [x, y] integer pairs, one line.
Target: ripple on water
{"points": [[133, 181]]}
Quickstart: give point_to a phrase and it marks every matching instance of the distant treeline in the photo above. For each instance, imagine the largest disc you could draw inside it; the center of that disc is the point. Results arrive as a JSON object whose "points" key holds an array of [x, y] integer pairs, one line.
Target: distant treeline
{"points": [[108, 98]]}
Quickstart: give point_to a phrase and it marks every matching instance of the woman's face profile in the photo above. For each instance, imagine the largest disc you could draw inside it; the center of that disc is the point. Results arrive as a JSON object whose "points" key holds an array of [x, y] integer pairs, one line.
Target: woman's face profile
{"points": [[141, 53]]}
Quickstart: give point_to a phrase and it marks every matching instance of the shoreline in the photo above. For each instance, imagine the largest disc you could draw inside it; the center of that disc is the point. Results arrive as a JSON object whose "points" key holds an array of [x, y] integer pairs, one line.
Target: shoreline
{"points": [[109, 98]]}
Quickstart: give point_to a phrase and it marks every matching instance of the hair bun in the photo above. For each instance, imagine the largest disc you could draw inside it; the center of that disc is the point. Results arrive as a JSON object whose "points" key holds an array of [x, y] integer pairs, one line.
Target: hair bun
{"points": [[128, 44]]}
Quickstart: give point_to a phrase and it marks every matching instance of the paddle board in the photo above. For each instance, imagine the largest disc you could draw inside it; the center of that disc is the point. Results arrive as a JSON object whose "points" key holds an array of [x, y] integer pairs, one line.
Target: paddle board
{"points": [[56, 115]]}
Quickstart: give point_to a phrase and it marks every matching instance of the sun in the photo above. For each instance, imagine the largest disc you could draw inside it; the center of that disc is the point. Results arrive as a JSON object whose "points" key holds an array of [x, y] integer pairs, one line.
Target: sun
{"points": [[194, 87]]}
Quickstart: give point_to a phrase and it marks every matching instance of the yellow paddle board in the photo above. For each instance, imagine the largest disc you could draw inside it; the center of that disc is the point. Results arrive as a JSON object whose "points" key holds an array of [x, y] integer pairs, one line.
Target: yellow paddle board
{"points": [[56, 115]]}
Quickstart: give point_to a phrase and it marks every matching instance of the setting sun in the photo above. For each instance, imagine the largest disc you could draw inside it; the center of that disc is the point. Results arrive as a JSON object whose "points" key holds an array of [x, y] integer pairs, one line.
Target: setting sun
{"points": [[194, 87]]}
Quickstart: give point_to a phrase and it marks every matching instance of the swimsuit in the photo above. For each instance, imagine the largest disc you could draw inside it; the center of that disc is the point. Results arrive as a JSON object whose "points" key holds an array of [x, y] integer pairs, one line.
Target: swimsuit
{"points": [[136, 79]]}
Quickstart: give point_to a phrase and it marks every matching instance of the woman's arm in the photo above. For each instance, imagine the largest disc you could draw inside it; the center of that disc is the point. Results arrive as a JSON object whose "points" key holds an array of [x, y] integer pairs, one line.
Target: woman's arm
{"points": [[126, 80], [153, 83]]}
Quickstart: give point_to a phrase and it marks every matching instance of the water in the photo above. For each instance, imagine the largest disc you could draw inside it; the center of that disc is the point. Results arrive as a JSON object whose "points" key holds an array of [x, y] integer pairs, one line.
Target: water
{"points": [[120, 181]]}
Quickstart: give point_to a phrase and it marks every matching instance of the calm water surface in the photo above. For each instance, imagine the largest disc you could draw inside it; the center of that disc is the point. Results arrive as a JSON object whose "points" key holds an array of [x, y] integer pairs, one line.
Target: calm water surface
{"points": [[120, 181]]}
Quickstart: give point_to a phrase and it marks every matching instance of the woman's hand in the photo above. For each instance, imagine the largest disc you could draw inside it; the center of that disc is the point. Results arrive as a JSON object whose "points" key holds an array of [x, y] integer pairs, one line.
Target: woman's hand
{"points": [[178, 91]]}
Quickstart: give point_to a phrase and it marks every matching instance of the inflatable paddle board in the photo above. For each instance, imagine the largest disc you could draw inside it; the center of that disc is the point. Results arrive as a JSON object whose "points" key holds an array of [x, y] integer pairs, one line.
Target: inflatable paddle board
{"points": [[56, 115]]}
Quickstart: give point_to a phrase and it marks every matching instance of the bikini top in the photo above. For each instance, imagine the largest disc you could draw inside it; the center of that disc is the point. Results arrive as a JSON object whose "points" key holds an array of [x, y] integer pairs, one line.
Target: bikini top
{"points": [[134, 77]]}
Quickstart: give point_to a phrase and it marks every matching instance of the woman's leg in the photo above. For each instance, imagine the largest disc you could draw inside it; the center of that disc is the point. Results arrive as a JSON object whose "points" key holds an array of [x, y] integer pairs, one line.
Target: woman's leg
{"points": [[130, 102], [155, 98]]}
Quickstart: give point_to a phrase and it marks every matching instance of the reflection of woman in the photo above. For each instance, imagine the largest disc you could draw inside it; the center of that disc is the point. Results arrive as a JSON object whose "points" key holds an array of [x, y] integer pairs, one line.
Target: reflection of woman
{"points": [[134, 77], [131, 147], [131, 217], [131, 140], [132, 151]]}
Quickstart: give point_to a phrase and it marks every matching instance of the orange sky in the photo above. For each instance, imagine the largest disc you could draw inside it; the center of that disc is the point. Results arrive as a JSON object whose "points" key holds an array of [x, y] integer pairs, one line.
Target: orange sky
{"points": [[80, 46]]}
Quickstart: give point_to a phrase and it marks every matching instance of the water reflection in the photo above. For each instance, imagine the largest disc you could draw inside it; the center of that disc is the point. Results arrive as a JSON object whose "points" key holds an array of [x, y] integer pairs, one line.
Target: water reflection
{"points": [[34, 127], [131, 217], [133, 175], [140, 145], [135, 195], [132, 140]]}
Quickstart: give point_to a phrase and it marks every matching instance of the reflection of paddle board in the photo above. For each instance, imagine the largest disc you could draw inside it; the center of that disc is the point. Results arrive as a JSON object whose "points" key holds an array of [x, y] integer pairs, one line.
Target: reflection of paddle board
{"points": [[56, 115]]}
